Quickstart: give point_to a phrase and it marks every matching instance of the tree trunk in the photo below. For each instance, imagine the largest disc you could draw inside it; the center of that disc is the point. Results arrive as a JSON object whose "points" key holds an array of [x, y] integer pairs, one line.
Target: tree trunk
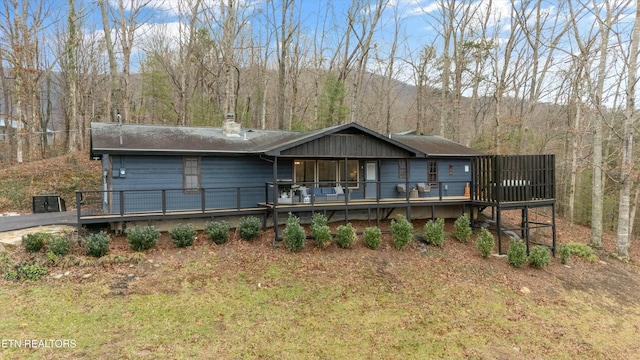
{"points": [[113, 66], [626, 169], [72, 109], [597, 194], [575, 144]]}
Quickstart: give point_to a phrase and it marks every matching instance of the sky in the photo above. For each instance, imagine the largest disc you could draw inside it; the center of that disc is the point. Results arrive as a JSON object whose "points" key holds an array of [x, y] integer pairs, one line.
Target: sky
{"points": [[418, 21]]}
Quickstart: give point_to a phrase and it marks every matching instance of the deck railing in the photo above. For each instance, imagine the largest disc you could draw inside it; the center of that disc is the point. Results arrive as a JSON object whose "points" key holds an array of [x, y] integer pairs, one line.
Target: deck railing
{"points": [[513, 178], [163, 201], [376, 191], [127, 202]]}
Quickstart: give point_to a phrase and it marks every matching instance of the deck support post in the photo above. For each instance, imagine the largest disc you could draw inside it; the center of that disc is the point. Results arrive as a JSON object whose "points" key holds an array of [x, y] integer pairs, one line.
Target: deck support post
{"points": [[78, 206], [499, 231]]}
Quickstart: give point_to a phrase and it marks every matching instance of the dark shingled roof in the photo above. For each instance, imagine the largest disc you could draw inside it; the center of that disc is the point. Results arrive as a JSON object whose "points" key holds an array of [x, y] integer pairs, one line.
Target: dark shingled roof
{"points": [[158, 139], [112, 138], [435, 145]]}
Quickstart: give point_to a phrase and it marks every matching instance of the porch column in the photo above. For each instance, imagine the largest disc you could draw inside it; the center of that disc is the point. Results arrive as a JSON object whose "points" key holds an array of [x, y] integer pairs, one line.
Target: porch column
{"points": [[275, 199]]}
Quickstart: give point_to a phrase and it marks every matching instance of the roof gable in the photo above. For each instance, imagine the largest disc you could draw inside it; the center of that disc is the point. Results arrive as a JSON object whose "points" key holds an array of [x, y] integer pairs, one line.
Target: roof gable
{"points": [[347, 140]]}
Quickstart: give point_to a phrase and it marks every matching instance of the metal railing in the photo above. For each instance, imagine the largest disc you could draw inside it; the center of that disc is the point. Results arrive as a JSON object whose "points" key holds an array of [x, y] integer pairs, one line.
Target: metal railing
{"points": [[164, 201], [127, 202], [376, 191]]}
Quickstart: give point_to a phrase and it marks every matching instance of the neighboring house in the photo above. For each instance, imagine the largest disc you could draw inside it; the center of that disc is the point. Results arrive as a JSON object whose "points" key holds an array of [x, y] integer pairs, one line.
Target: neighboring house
{"points": [[154, 172], [14, 126]]}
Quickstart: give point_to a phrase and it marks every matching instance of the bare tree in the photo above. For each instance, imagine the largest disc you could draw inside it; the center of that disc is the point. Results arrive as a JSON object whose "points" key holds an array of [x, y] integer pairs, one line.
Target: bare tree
{"points": [[72, 125], [113, 102], [7, 109], [21, 25], [627, 166], [130, 18], [362, 22], [543, 29], [596, 91], [502, 73], [285, 28]]}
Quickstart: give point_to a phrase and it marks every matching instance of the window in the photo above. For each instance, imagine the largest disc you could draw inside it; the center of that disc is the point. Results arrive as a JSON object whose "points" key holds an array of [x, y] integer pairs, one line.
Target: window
{"points": [[326, 172], [304, 171], [432, 173], [402, 169], [350, 178], [191, 177]]}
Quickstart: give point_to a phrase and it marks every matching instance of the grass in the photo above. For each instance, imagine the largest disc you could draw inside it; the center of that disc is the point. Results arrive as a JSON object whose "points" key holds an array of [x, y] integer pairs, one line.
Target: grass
{"points": [[295, 306]]}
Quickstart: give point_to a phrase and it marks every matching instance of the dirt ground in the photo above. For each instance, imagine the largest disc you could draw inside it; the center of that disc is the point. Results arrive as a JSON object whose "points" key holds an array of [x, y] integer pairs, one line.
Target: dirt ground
{"points": [[618, 280]]}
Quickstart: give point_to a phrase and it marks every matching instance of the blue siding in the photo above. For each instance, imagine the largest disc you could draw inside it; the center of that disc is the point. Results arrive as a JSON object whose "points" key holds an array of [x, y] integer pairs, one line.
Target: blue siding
{"points": [[239, 181], [389, 178], [453, 185], [234, 178]]}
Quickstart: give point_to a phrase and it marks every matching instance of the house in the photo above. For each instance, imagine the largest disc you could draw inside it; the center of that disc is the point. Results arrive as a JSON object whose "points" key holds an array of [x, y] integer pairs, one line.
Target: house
{"points": [[155, 172], [15, 128]]}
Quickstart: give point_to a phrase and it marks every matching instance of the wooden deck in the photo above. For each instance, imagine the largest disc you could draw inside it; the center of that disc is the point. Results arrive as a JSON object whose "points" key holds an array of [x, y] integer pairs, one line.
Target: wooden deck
{"points": [[364, 203]]}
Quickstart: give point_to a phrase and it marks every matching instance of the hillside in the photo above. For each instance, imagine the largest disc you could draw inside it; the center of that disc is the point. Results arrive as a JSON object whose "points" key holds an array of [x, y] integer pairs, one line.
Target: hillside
{"points": [[61, 175], [256, 299]]}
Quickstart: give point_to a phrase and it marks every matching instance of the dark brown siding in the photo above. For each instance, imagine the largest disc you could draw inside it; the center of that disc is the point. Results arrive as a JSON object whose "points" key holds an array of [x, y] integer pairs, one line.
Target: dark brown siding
{"points": [[513, 178], [346, 145]]}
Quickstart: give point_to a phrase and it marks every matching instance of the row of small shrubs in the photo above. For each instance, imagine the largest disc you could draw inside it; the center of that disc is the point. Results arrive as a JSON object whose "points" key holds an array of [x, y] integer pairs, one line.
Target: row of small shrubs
{"points": [[346, 237], [57, 244], [517, 255], [142, 237], [218, 231]]}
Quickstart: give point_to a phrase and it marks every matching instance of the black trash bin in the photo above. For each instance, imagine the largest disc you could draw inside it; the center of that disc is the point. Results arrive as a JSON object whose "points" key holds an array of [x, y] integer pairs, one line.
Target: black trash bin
{"points": [[48, 203]]}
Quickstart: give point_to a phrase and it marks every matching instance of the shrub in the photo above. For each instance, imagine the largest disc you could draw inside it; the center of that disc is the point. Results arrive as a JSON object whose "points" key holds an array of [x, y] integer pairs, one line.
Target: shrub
{"points": [[322, 235], [565, 252], [59, 245], [463, 228], [434, 232], [539, 256], [34, 242], [294, 234], [581, 250], [517, 253], [372, 237], [249, 228], [183, 235], [97, 244], [218, 231], [26, 271], [346, 236], [142, 237], [485, 242], [6, 262], [320, 230], [318, 219], [401, 232]]}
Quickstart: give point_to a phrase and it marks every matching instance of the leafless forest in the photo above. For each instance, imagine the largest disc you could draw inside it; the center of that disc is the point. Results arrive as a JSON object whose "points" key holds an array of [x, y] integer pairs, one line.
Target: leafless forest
{"points": [[505, 77]]}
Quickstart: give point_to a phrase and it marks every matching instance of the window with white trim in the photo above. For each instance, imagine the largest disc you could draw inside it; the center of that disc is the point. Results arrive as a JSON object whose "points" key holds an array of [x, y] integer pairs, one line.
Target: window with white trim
{"points": [[191, 174], [432, 173]]}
